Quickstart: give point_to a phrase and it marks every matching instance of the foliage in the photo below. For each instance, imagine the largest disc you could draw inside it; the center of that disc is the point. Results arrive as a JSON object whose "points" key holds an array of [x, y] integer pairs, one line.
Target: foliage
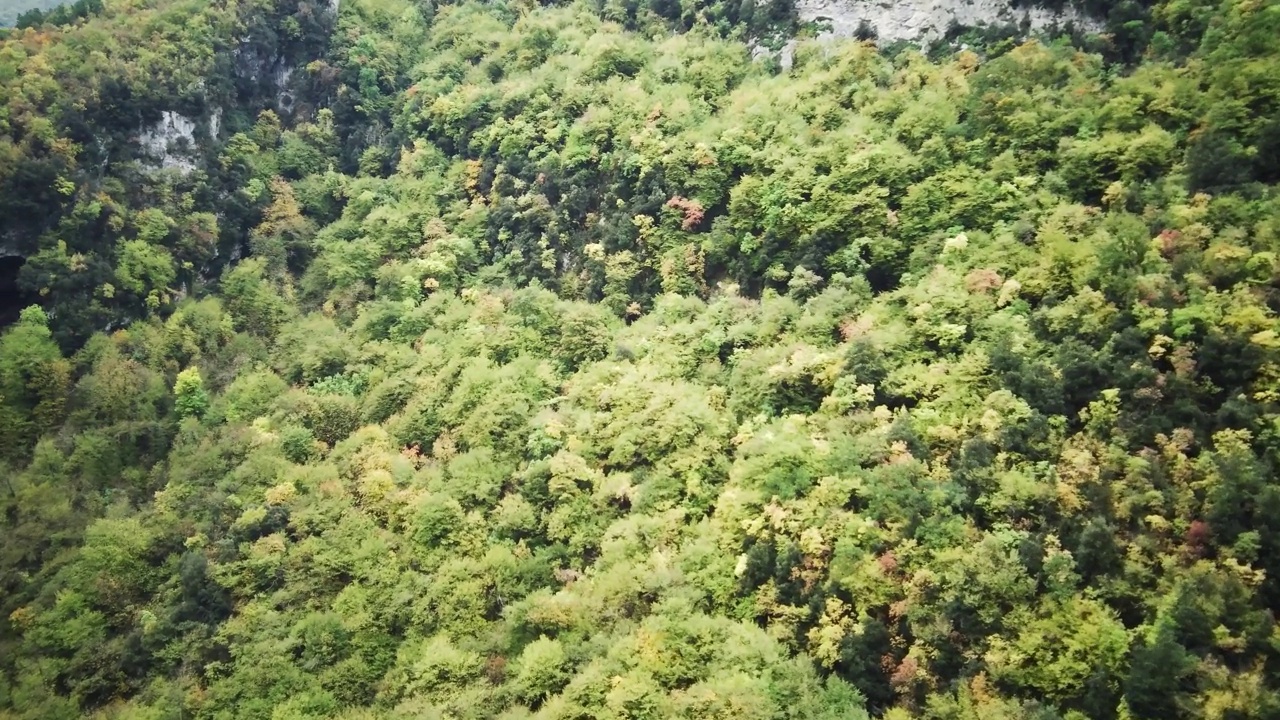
{"points": [[583, 368]]}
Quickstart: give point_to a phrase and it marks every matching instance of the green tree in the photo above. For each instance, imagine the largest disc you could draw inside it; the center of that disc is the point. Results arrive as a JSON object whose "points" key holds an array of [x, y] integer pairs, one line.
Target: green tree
{"points": [[35, 381], [190, 397]]}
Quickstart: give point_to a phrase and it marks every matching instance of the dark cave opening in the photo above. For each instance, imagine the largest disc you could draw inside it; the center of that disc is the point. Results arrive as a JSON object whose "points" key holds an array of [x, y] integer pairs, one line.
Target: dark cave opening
{"points": [[12, 298]]}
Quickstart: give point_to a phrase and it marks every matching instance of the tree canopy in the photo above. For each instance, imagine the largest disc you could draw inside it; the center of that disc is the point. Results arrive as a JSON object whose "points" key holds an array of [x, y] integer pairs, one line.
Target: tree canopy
{"points": [[406, 359]]}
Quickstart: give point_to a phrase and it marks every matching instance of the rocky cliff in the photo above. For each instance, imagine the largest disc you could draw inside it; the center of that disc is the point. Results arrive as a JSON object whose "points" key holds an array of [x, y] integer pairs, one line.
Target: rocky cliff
{"points": [[927, 21]]}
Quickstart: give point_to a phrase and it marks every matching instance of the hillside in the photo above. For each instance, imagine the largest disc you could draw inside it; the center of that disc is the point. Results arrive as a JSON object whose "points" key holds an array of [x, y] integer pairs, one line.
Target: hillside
{"points": [[11, 9], [392, 359]]}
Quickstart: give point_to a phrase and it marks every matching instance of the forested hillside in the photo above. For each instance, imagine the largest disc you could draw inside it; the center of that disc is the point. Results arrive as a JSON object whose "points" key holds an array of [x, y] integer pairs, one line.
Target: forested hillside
{"points": [[10, 10], [395, 359]]}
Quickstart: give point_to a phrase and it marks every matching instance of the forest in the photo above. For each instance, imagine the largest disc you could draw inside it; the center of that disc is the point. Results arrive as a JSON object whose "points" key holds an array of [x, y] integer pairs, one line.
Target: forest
{"points": [[512, 360]]}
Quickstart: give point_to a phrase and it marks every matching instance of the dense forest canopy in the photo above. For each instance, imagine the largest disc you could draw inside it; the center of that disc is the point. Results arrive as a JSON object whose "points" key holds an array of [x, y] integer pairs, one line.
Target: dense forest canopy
{"points": [[394, 359]]}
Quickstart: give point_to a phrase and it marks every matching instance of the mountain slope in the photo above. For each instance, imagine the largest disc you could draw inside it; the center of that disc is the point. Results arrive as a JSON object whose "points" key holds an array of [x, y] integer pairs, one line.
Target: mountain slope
{"points": [[506, 361]]}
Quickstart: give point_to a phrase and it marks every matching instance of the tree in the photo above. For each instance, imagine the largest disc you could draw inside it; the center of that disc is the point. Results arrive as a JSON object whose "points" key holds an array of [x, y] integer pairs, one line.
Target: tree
{"points": [[284, 235], [35, 381], [541, 670], [146, 271], [1157, 675], [190, 397]]}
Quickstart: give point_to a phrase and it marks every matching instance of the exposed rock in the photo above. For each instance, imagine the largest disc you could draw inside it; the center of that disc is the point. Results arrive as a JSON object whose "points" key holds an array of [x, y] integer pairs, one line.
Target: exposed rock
{"points": [[284, 96], [927, 21], [786, 56], [171, 142], [268, 71]]}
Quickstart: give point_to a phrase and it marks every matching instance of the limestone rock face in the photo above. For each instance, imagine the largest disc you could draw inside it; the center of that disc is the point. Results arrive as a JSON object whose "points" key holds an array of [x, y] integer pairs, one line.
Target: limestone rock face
{"points": [[171, 142], [926, 21]]}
